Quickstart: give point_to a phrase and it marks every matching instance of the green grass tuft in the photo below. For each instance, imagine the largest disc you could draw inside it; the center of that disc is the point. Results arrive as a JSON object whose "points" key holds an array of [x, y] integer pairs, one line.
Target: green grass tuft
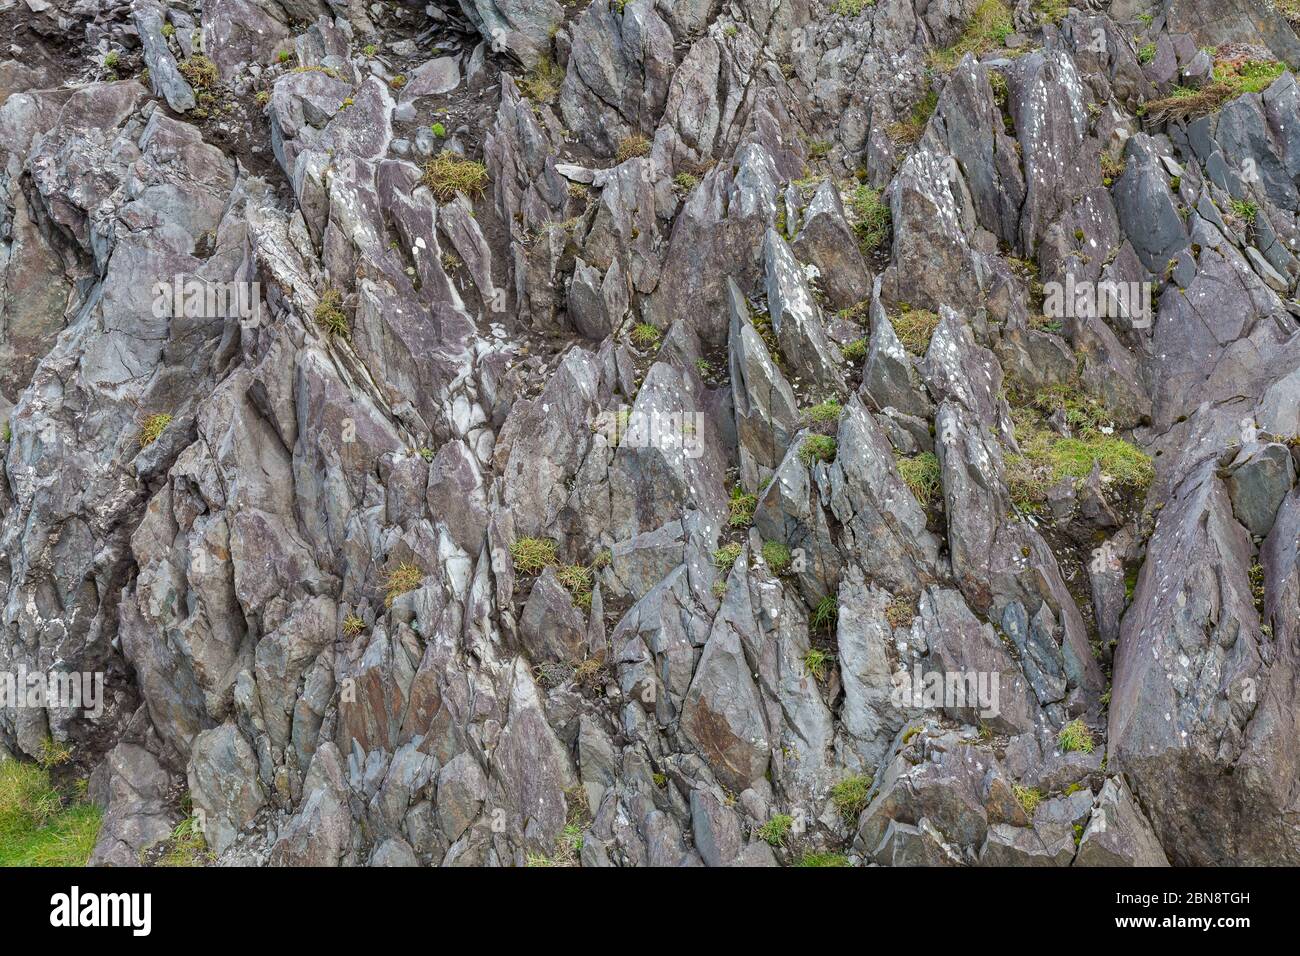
{"points": [[850, 795], [823, 859], [914, 328], [816, 662], [1029, 797], [824, 413], [726, 556], [152, 427], [1075, 736], [922, 476], [740, 509], [988, 28], [774, 831], [542, 84], [329, 314], [817, 448], [644, 335], [531, 555], [825, 614], [855, 351], [630, 147], [870, 216], [37, 826], [776, 556]]}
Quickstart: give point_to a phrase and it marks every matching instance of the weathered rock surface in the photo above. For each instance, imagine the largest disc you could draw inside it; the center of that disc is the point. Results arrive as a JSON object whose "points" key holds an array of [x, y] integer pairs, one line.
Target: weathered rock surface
{"points": [[743, 402]]}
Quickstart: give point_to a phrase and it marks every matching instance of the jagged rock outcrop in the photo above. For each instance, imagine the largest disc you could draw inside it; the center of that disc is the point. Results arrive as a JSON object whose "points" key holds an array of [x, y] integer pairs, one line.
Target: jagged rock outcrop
{"points": [[646, 434]]}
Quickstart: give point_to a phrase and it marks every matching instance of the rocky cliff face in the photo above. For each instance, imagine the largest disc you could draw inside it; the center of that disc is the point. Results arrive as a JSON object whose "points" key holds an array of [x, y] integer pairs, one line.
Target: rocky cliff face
{"points": [[652, 433]]}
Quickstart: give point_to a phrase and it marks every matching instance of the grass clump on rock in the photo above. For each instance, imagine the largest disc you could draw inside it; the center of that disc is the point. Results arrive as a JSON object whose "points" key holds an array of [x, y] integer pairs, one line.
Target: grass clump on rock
{"points": [[543, 82], [726, 556], [200, 72], [824, 413], [870, 218], [531, 555], [1075, 736], [152, 427], [774, 831], [855, 351], [403, 578], [186, 846], [644, 335], [908, 132], [577, 580], [817, 448], [447, 174], [630, 147], [740, 509], [776, 556], [816, 662], [850, 795], [825, 614], [329, 314], [1028, 797], [921, 474], [914, 328], [988, 29], [823, 859]]}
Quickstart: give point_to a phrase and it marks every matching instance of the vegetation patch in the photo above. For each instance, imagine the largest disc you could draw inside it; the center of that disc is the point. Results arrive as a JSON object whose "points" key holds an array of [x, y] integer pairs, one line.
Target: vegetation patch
{"points": [[577, 580], [531, 555], [850, 795], [329, 314], [824, 413], [740, 509], [776, 556], [1046, 458], [921, 475], [774, 831], [817, 448], [353, 626], [825, 614], [39, 826], [447, 174], [1029, 797], [988, 29], [542, 84], [1075, 736], [403, 578], [817, 662], [726, 556], [908, 131], [644, 335], [152, 427], [900, 611], [186, 846], [914, 328], [200, 72], [1232, 78], [823, 859], [851, 8], [855, 351], [630, 147], [870, 215]]}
